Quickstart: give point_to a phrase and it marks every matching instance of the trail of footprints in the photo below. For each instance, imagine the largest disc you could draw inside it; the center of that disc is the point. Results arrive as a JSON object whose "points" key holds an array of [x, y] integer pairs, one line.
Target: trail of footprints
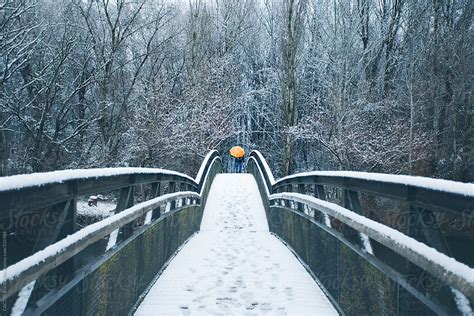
{"points": [[233, 256], [238, 270], [232, 283]]}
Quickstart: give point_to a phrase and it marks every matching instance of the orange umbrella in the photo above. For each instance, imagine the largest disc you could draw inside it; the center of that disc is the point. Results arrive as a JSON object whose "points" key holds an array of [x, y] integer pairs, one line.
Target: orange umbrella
{"points": [[237, 152]]}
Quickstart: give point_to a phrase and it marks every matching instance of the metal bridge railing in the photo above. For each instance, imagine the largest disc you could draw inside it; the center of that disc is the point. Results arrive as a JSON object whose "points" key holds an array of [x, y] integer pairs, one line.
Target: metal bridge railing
{"points": [[72, 272], [367, 270]]}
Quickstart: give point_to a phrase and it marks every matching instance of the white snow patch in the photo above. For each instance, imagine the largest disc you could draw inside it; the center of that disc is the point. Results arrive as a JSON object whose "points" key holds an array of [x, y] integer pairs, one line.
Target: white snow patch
{"points": [[148, 217], [43, 178], [22, 300], [103, 209], [462, 303], [466, 189], [366, 243], [327, 220], [112, 240]]}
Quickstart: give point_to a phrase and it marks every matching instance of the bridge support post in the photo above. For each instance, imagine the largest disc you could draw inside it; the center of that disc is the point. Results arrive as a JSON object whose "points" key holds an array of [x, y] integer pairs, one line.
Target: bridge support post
{"points": [[351, 202], [60, 221], [155, 192], [183, 187], [319, 193], [289, 188], [126, 200], [172, 189], [302, 190], [424, 227]]}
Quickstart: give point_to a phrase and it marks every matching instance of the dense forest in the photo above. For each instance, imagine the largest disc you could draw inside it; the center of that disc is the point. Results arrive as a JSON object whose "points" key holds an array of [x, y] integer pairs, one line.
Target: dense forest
{"points": [[369, 85]]}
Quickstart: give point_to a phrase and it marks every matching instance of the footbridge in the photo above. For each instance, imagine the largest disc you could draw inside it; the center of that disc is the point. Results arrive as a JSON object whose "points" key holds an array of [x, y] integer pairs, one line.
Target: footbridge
{"points": [[316, 243]]}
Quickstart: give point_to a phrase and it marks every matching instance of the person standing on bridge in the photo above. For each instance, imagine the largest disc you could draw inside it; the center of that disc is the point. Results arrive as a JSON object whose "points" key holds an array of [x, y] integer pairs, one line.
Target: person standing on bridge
{"points": [[238, 153]]}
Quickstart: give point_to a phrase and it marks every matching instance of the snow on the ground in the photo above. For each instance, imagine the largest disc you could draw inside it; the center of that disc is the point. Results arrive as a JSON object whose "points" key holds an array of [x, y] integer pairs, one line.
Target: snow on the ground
{"points": [[234, 266], [466, 189], [43, 178], [103, 209]]}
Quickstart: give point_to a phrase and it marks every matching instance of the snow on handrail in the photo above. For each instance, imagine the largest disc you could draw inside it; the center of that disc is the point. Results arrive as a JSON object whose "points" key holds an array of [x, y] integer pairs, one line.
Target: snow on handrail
{"points": [[466, 189], [445, 268], [203, 166], [265, 166], [207, 178], [43, 178], [16, 276], [261, 174]]}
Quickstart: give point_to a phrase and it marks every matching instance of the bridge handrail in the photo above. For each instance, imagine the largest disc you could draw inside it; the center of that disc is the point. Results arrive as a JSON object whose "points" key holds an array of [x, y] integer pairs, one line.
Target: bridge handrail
{"points": [[204, 169], [447, 269], [49, 188], [421, 191], [18, 275], [265, 170]]}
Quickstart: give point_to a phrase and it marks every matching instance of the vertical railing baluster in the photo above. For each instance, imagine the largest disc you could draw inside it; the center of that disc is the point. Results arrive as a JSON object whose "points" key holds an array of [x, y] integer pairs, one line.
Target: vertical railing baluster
{"points": [[301, 189], [183, 187], [172, 189], [352, 202], [189, 200], [126, 200], [424, 226], [289, 188], [155, 192], [65, 222], [320, 193]]}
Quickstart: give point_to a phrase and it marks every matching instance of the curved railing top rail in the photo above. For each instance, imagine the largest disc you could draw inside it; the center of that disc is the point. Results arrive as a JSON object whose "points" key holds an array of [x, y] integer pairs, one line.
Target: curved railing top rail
{"points": [[18, 275], [48, 188], [265, 168], [421, 191], [24, 181], [204, 169], [448, 186]]}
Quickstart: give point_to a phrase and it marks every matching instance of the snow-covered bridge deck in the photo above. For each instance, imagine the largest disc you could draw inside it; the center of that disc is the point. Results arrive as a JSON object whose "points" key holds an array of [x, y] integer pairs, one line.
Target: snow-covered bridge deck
{"points": [[234, 265]]}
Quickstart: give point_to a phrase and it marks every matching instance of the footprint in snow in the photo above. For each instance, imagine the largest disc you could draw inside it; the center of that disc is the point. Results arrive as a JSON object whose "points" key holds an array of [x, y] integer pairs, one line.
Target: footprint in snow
{"points": [[199, 299], [248, 296], [252, 306], [273, 290], [265, 306], [219, 282], [185, 310]]}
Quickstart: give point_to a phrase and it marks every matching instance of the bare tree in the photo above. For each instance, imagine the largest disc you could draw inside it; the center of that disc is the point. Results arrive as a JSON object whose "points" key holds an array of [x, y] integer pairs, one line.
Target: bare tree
{"points": [[292, 28]]}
